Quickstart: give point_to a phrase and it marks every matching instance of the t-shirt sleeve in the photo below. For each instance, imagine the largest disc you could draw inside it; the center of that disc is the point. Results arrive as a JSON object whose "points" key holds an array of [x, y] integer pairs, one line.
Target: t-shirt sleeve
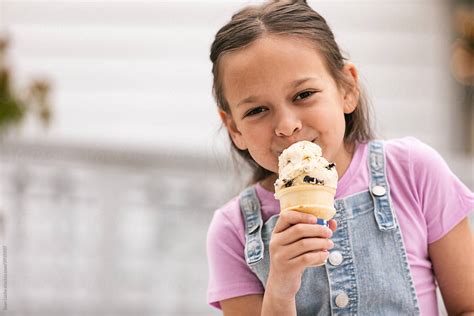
{"points": [[229, 274], [444, 199]]}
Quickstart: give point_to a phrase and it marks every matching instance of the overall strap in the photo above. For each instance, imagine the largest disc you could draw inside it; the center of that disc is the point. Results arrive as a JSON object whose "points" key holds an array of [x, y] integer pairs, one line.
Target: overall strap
{"points": [[379, 188], [250, 208]]}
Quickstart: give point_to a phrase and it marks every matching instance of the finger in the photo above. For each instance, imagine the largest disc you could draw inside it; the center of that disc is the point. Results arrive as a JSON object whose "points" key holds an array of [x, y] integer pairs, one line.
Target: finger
{"points": [[289, 218], [299, 231], [332, 225], [307, 245], [314, 258]]}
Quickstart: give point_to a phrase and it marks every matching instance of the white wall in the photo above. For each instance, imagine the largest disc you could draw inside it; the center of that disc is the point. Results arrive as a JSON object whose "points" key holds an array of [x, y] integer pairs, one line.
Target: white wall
{"points": [[138, 72]]}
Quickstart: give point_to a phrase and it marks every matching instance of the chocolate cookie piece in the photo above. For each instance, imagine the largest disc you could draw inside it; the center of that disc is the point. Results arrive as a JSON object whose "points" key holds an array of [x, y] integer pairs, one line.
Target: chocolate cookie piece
{"points": [[312, 180], [330, 166]]}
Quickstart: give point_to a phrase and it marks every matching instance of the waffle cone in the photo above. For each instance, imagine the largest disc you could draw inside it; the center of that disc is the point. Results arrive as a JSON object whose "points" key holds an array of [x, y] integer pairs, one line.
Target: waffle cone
{"points": [[317, 200]]}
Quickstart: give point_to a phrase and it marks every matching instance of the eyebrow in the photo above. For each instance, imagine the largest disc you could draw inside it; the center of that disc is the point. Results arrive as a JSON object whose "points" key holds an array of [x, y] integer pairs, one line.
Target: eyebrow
{"points": [[294, 84]]}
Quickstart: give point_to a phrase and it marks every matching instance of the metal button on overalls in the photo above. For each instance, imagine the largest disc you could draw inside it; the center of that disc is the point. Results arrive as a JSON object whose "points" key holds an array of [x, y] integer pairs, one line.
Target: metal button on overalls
{"points": [[342, 300], [335, 258]]}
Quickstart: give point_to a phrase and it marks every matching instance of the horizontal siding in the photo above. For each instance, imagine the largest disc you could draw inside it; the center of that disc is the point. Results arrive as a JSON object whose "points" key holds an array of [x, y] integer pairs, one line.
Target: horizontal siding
{"points": [[144, 66], [403, 15]]}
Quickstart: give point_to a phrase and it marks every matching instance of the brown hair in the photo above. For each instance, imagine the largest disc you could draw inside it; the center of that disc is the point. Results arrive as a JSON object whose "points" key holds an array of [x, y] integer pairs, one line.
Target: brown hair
{"points": [[293, 18]]}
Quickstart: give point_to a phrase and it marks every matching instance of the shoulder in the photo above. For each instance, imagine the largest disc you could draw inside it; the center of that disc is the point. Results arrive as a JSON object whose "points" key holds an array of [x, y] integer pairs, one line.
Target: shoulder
{"points": [[227, 220], [419, 174], [229, 274], [407, 147], [416, 168], [413, 153]]}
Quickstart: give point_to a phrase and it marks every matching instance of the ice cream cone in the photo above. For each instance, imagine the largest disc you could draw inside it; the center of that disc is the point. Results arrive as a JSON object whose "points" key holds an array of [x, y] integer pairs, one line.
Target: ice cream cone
{"points": [[317, 200], [306, 182]]}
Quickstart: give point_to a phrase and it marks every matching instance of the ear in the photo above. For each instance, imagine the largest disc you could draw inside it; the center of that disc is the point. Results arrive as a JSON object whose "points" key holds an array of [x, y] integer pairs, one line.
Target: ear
{"points": [[351, 95], [234, 133]]}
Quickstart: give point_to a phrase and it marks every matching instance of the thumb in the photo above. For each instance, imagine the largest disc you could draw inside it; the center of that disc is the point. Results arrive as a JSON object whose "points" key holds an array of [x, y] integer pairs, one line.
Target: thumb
{"points": [[332, 225]]}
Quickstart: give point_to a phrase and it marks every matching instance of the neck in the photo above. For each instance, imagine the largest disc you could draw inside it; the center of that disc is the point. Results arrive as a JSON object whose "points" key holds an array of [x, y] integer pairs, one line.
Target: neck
{"points": [[344, 159], [268, 182]]}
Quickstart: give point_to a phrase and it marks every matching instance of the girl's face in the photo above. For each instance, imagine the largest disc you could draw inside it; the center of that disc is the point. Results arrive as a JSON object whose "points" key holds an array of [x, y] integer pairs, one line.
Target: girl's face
{"points": [[280, 92]]}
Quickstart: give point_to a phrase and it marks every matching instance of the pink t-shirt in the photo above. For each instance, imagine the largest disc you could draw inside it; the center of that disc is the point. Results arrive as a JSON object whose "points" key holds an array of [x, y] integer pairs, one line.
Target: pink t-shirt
{"points": [[429, 200]]}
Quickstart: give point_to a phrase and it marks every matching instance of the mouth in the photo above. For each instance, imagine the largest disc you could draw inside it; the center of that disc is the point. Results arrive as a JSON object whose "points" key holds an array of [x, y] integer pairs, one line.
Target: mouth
{"points": [[280, 151]]}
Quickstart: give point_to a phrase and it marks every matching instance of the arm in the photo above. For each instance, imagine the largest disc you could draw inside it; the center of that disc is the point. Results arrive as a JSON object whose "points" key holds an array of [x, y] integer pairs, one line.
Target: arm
{"points": [[248, 305], [296, 243], [453, 263], [251, 305]]}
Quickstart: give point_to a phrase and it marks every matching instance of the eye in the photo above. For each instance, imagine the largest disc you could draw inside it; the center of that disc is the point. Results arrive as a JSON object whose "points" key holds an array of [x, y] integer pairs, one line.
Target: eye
{"points": [[304, 95], [255, 111]]}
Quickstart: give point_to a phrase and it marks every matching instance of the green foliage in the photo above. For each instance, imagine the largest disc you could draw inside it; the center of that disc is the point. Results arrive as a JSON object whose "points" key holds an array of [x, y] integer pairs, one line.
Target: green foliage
{"points": [[15, 107]]}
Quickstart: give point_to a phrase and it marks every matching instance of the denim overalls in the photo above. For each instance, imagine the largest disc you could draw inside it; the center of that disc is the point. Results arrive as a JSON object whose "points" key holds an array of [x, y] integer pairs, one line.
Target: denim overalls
{"points": [[367, 272]]}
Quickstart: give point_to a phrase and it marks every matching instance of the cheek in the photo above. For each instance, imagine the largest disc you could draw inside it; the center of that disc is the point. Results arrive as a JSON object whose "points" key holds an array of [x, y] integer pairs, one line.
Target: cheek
{"points": [[338, 127], [257, 131], [257, 138], [260, 150], [327, 119]]}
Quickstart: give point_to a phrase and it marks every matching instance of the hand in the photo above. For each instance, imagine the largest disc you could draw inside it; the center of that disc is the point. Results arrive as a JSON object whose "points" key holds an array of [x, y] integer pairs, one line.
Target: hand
{"points": [[297, 243]]}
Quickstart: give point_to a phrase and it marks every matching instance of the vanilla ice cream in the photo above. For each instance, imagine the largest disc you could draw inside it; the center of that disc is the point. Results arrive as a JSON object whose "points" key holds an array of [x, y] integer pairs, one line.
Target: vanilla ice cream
{"points": [[307, 182]]}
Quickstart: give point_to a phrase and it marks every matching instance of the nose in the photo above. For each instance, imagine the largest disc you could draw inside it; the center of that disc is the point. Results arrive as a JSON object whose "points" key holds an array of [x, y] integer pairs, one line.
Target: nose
{"points": [[287, 123]]}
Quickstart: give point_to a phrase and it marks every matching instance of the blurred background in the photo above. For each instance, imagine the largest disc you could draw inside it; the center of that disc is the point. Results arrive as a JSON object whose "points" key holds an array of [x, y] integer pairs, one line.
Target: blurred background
{"points": [[111, 157]]}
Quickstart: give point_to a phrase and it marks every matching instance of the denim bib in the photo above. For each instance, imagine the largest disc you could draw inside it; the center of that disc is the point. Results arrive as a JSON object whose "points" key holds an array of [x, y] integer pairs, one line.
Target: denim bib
{"points": [[367, 272]]}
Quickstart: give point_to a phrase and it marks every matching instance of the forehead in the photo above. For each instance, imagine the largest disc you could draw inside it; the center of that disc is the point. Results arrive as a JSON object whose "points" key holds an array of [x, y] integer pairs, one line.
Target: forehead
{"points": [[271, 61]]}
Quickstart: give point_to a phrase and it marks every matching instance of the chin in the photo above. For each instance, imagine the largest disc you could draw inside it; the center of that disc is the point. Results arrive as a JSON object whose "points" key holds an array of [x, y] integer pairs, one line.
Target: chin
{"points": [[272, 168]]}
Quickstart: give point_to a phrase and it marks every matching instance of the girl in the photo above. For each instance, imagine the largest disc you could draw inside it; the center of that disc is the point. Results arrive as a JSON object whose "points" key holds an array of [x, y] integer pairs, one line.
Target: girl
{"points": [[279, 77]]}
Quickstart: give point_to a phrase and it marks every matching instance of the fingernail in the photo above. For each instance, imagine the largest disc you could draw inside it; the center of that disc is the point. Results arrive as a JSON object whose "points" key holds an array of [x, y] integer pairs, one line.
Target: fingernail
{"points": [[331, 244], [329, 232]]}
